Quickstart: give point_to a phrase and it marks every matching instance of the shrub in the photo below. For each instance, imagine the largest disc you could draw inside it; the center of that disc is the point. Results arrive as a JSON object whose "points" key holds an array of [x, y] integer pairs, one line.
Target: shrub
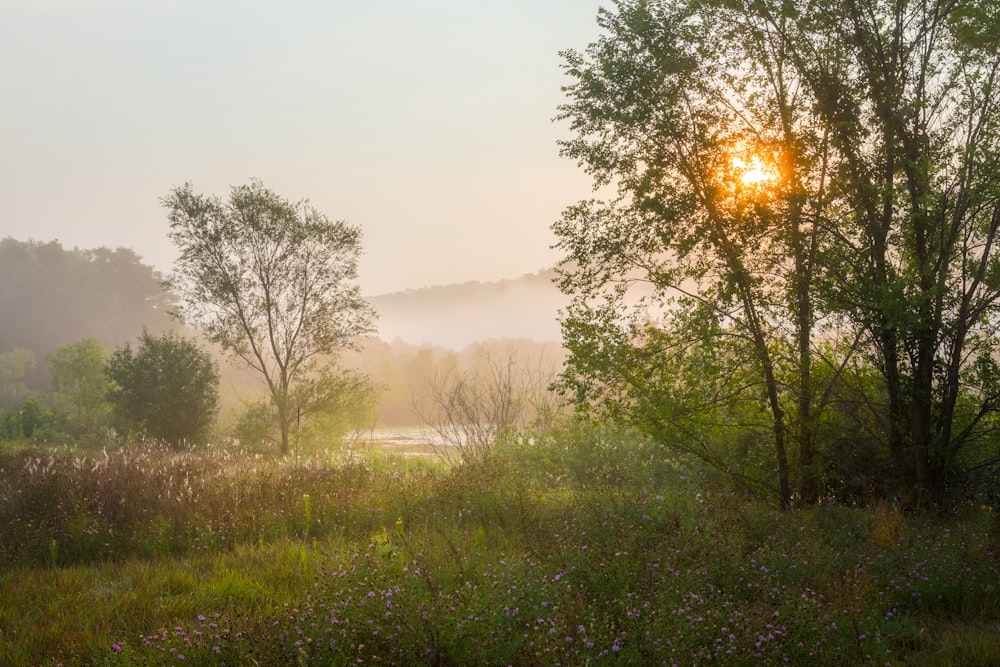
{"points": [[167, 389]]}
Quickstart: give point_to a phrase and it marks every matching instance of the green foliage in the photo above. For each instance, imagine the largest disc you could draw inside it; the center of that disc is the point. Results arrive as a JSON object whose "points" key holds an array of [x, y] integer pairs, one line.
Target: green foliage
{"points": [[29, 422], [332, 406], [168, 389], [14, 366], [270, 281], [870, 222], [256, 426], [584, 453], [78, 396]]}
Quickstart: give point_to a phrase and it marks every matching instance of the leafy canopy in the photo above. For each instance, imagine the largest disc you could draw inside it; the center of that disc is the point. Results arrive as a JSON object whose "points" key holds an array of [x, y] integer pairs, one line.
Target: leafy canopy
{"points": [[812, 190]]}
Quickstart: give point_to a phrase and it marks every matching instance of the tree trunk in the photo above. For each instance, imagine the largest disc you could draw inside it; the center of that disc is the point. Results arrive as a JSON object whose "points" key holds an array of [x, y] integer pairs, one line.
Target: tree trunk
{"points": [[809, 481], [784, 488], [771, 384], [284, 420], [284, 437], [809, 487], [921, 424]]}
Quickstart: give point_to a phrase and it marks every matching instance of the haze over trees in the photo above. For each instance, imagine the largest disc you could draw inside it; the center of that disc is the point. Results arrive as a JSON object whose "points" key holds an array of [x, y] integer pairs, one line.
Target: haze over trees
{"points": [[458, 315], [407, 375], [51, 296], [65, 380], [272, 283], [810, 199]]}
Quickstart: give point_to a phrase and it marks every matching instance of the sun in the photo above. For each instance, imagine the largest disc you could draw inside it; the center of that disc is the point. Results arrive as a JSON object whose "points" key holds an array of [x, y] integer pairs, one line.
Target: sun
{"points": [[755, 172]]}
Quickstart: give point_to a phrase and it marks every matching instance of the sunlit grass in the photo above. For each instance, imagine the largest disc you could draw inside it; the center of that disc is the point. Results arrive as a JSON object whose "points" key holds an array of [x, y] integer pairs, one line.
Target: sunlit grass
{"points": [[66, 614], [573, 550]]}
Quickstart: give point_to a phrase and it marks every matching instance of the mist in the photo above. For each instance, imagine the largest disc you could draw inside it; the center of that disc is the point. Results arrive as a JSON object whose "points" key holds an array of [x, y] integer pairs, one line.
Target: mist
{"points": [[455, 316]]}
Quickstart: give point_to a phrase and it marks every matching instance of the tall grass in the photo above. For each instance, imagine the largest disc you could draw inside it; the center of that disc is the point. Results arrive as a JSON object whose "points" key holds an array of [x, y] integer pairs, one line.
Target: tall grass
{"points": [[580, 547]]}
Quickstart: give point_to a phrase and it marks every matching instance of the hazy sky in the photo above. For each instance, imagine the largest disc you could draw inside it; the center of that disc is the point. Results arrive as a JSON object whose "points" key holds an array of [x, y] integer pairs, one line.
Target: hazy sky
{"points": [[428, 123]]}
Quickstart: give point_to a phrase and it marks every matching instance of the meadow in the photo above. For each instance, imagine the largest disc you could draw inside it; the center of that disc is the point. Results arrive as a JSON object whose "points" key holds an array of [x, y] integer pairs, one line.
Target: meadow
{"points": [[586, 546]]}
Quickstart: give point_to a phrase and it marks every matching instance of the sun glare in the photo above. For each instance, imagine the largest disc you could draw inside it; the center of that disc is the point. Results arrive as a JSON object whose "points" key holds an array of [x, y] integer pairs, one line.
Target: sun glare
{"points": [[755, 172]]}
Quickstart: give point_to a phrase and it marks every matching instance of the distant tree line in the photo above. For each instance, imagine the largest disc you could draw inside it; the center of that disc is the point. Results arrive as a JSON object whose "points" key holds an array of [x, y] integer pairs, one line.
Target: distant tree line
{"points": [[51, 296], [62, 313], [54, 382]]}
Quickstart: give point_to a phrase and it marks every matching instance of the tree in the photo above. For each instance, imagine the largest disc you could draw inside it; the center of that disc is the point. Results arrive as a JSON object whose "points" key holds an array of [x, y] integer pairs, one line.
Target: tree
{"points": [[19, 409], [27, 422], [14, 366], [911, 100], [787, 175], [270, 281], [719, 174], [168, 388], [79, 392]]}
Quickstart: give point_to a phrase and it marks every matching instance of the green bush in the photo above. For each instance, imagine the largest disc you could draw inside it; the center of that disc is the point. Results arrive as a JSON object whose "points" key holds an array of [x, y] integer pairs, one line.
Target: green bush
{"points": [[168, 389]]}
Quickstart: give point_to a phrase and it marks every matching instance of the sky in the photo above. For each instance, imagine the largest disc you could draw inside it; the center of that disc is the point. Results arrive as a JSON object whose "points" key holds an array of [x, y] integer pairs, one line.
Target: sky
{"points": [[427, 123]]}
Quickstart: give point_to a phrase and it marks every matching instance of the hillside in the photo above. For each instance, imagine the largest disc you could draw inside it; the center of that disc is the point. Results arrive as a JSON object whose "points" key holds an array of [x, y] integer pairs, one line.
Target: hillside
{"points": [[456, 315], [51, 296]]}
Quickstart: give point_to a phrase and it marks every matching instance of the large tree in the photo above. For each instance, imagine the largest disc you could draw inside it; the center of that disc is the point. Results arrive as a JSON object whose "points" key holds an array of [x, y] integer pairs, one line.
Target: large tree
{"points": [[272, 282], [909, 93], [701, 129], [792, 184]]}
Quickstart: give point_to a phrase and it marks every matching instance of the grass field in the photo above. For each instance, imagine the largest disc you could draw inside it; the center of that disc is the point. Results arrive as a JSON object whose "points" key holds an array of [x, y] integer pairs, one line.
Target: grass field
{"points": [[586, 547]]}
